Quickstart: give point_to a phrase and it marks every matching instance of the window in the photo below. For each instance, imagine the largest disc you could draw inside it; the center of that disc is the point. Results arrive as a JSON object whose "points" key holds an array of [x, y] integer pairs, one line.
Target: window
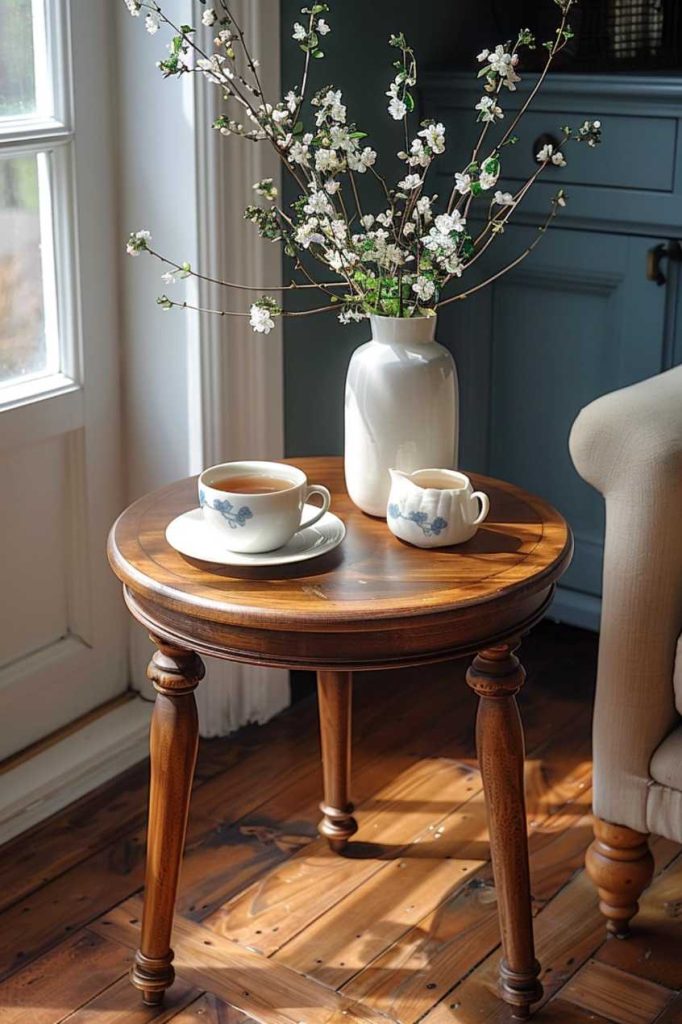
{"points": [[37, 337]]}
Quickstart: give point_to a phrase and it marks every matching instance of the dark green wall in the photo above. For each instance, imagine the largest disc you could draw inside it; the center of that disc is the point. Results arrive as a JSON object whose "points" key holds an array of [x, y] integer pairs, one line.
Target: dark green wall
{"points": [[358, 61]]}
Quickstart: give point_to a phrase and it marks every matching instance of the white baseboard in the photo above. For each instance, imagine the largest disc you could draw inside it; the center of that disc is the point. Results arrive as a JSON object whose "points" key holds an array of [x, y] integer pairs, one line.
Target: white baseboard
{"points": [[42, 785]]}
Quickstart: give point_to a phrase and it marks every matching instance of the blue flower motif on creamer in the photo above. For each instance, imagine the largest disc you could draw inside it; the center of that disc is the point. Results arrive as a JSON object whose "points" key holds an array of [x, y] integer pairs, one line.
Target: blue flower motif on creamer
{"points": [[227, 510], [429, 529]]}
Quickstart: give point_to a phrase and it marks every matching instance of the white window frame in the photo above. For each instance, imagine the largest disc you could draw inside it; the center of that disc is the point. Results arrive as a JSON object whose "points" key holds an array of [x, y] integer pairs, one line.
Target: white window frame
{"points": [[51, 134]]}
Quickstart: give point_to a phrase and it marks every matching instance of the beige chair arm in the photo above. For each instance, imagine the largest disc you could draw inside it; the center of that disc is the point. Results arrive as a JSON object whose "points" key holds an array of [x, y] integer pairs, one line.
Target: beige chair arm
{"points": [[629, 446]]}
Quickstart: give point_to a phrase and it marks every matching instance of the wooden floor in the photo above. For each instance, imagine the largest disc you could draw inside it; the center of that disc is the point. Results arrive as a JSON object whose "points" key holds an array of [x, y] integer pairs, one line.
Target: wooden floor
{"points": [[273, 927]]}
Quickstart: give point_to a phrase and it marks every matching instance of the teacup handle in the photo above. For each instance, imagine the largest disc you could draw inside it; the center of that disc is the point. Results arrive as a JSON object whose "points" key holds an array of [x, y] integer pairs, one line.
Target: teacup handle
{"points": [[485, 507], [326, 502]]}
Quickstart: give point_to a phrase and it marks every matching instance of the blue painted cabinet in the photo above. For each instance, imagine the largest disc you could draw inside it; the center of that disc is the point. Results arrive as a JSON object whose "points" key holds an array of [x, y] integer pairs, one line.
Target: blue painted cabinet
{"points": [[579, 317]]}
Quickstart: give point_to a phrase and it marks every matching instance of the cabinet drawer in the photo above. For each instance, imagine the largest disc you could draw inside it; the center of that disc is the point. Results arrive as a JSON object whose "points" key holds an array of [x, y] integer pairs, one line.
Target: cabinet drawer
{"points": [[640, 141], [636, 152]]}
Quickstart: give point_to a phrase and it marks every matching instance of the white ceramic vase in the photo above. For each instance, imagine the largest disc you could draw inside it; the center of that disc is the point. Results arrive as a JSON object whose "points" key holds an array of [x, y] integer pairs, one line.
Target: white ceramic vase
{"points": [[401, 408]]}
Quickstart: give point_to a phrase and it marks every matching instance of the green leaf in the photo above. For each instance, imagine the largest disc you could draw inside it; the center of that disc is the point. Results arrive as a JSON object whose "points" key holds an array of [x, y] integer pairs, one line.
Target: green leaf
{"points": [[409, 102], [317, 54]]}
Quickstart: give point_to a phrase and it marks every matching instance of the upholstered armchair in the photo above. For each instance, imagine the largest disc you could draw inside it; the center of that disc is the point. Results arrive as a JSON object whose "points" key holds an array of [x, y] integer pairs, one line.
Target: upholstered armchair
{"points": [[628, 445]]}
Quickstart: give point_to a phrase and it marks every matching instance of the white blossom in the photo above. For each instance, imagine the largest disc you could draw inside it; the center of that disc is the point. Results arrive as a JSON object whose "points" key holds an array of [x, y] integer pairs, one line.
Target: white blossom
{"points": [[483, 55], [423, 209], [503, 198], [330, 107], [462, 183], [490, 172], [447, 222], [260, 319], [409, 228], [327, 160], [134, 7], [347, 316], [168, 277], [300, 151], [292, 101], [424, 288], [367, 221], [545, 153], [410, 182], [208, 18], [138, 242], [339, 229], [299, 33], [212, 68], [558, 159], [452, 264], [318, 202], [360, 162], [489, 109], [434, 135], [152, 22], [418, 156], [322, 27], [397, 109], [503, 63], [308, 233], [332, 187]]}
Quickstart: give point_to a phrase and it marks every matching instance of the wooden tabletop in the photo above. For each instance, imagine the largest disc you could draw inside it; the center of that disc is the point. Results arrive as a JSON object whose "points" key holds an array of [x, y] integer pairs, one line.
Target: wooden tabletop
{"points": [[372, 584]]}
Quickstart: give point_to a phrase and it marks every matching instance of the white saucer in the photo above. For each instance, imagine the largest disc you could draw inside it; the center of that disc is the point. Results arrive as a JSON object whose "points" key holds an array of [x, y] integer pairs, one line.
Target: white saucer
{"points": [[189, 535]]}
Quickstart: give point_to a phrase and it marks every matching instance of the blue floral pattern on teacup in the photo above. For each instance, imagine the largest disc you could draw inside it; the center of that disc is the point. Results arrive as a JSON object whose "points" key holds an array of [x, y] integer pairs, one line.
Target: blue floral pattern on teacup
{"points": [[421, 519], [227, 510]]}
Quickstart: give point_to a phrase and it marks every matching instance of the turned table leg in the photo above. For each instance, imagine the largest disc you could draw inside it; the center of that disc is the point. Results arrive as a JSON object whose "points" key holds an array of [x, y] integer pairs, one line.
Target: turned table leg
{"points": [[496, 676], [620, 864], [334, 694], [173, 747]]}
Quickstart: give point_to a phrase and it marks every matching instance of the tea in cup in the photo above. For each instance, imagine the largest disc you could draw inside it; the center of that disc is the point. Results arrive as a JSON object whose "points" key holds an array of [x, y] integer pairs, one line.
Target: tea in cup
{"points": [[257, 506]]}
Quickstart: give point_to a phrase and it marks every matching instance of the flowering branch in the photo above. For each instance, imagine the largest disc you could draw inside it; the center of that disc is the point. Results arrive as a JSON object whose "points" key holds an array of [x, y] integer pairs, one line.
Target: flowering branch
{"points": [[395, 261], [556, 203]]}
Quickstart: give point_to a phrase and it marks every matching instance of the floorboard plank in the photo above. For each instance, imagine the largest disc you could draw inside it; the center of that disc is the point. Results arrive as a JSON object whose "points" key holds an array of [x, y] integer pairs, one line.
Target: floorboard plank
{"points": [[208, 1009], [57, 984], [622, 997], [673, 1011]]}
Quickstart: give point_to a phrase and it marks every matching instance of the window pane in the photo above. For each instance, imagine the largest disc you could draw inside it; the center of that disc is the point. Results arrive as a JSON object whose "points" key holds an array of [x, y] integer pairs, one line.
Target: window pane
{"points": [[27, 348], [21, 32]]}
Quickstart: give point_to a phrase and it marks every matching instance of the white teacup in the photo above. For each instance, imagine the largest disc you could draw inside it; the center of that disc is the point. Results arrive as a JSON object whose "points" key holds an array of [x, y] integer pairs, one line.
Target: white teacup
{"points": [[433, 508], [263, 509]]}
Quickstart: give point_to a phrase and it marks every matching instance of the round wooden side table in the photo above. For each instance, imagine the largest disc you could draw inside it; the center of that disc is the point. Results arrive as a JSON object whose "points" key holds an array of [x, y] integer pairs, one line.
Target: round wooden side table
{"points": [[374, 603]]}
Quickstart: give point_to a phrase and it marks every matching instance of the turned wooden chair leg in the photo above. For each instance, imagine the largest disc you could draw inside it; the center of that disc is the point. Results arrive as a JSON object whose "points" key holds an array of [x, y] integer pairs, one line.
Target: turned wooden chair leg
{"points": [[173, 747], [334, 694], [620, 864], [496, 676]]}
